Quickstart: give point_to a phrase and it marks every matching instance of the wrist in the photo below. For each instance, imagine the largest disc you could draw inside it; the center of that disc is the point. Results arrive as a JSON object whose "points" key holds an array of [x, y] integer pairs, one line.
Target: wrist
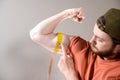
{"points": [[65, 14]]}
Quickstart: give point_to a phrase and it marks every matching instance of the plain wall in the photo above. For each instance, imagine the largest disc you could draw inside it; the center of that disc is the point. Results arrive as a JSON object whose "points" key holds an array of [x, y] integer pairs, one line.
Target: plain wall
{"points": [[20, 57]]}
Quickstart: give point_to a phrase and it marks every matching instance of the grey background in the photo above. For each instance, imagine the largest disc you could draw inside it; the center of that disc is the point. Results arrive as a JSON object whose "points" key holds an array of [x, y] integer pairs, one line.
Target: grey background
{"points": [[22, 59]]}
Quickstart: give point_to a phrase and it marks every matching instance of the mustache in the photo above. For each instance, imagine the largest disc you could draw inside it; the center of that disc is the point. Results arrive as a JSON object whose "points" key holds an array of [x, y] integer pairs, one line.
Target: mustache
{"points": [[93, 45]]}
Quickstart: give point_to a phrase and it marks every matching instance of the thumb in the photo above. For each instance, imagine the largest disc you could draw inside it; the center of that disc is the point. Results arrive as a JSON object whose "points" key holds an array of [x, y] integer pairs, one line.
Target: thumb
{"points": [[63, 50]]}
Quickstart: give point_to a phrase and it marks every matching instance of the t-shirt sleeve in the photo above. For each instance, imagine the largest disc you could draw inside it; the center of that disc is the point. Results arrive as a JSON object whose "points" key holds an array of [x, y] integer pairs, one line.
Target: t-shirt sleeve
{"points": [[76, 44], [77, 49]]}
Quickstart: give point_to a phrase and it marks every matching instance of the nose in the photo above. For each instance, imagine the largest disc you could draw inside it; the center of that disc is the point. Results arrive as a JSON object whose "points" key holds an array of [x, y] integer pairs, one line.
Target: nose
{"points": [[93, 40]]}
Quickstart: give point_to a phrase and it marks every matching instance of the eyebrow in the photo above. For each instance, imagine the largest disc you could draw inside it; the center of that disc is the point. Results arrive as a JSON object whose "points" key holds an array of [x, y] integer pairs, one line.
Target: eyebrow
{"points": [[100, 38]]}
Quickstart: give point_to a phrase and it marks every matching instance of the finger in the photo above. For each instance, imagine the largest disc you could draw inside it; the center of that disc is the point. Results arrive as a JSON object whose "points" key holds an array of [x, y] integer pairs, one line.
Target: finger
{"points": [[78, 19], [81, 13], [63, 50]]}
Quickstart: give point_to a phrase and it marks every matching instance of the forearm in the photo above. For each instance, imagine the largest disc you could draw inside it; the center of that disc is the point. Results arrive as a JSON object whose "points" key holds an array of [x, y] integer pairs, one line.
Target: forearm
{"points": [[72, 76], [48, 25]]}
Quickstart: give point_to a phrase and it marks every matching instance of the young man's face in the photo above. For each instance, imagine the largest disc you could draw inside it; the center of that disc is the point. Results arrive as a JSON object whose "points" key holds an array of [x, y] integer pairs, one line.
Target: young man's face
{"points": [[101, 43]]}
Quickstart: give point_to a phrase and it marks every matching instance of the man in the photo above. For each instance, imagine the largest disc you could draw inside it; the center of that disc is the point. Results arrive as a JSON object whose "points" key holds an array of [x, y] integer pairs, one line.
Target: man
{"points": [[97, 59]]}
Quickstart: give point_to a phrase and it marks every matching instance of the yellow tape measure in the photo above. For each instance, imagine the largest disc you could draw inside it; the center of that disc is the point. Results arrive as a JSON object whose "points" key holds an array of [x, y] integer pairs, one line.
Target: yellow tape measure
{"points": [[59, 41]]}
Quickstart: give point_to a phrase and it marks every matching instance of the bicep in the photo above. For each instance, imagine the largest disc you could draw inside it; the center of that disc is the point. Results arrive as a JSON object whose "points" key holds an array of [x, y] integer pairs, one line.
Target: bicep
{"points": [[49, 41]]}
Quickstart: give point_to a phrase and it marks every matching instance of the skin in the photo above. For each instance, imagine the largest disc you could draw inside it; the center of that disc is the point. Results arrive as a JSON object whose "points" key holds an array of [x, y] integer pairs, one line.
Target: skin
{"points": [[101, 43], [44, 35]]}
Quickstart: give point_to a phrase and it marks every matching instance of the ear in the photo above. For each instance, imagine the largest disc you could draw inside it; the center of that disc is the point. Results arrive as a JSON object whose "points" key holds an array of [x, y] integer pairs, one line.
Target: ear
{"points": [[117, 48]]}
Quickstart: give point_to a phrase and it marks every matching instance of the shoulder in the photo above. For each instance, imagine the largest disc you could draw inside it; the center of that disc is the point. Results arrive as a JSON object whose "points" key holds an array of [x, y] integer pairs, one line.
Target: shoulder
{"points": [[77, 43], [77, 40]]}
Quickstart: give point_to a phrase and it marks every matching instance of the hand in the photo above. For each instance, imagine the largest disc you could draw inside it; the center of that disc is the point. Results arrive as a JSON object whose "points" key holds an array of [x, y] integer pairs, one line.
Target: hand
{"points": [[66, 65], [76, 14]]}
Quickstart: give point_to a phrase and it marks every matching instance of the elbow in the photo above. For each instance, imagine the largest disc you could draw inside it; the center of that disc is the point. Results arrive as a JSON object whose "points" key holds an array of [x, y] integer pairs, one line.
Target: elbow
{"points": [[35, 36], [32, 35]]}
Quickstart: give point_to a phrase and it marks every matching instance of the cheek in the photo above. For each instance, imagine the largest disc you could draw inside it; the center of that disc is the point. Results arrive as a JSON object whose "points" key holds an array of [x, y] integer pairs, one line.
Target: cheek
{"points": [[103, 46]]}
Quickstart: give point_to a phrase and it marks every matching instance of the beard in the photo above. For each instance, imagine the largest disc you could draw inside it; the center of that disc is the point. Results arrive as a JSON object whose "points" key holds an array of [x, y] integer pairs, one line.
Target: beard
{"points": [[105, 53]]}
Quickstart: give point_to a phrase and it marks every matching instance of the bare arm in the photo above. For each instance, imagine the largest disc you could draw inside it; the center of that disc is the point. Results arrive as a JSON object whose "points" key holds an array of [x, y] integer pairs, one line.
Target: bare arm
{"points": [[43, 33]]}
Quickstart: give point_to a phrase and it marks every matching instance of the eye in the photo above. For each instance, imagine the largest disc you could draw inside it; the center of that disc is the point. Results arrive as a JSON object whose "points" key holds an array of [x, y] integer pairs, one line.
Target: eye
{"points": [[100, 40]]}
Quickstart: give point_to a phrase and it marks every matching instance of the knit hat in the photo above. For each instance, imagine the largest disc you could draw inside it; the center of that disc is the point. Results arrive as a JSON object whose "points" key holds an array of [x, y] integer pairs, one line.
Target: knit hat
{"points": [[110, 23]]}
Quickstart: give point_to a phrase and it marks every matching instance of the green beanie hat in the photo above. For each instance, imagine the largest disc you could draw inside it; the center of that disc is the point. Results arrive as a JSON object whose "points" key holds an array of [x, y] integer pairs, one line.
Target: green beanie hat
{"points": [[110, 23]]}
